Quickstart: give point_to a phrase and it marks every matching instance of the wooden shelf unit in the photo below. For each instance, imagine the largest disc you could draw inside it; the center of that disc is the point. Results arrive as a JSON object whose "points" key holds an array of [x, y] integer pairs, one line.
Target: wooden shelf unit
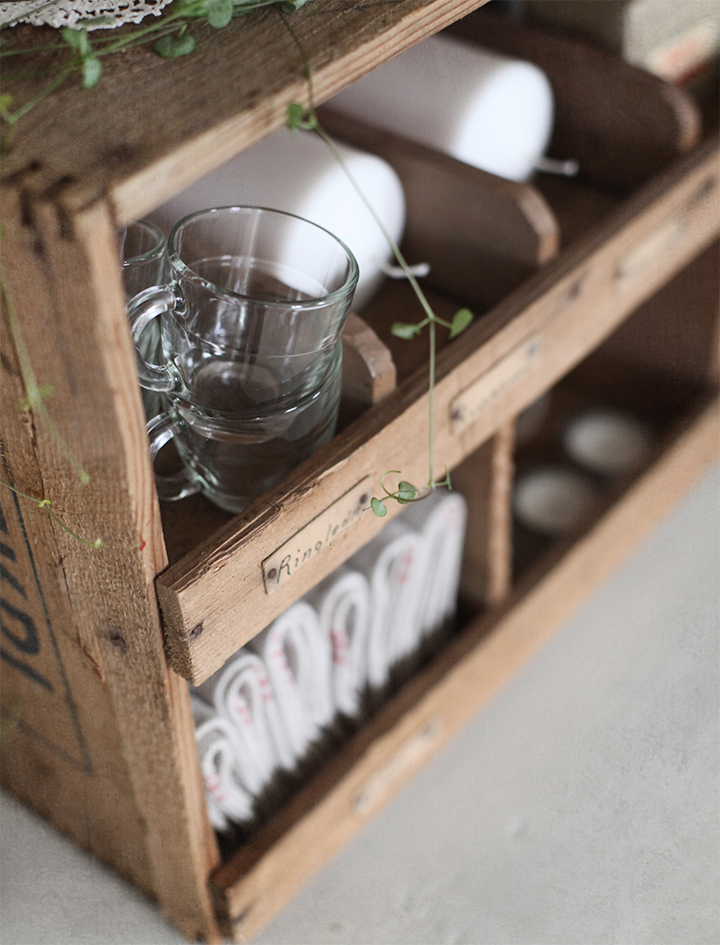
{"points": [[576, 285]]}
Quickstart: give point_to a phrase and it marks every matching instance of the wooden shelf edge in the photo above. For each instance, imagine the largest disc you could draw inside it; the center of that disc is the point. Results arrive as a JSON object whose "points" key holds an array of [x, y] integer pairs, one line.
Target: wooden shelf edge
{"points": [[265, 874]]}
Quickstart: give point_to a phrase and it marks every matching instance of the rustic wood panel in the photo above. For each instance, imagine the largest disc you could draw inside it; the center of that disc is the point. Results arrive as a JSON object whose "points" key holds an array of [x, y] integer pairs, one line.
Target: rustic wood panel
{"points": [[260, 879], [65, 287], [670, 337], [59, 753], [151, 127], [214, 600]]}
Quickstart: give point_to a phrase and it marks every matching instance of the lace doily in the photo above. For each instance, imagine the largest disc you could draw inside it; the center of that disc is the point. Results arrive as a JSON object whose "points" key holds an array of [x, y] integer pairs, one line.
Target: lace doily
{"points": [[71, 12]]}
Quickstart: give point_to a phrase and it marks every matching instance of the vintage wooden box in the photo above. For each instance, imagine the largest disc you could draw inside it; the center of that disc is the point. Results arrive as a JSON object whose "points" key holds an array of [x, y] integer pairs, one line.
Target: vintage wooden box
{"points": [[601, 289]]}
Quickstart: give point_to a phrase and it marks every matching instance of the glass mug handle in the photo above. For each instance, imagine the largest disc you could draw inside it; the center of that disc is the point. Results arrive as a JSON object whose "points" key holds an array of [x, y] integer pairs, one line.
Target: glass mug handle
{"points": [[142, 309], [170, 486]]}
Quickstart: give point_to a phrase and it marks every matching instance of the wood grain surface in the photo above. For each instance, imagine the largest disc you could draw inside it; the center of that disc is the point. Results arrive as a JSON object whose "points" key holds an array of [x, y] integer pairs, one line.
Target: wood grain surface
{"points": [[151, 127]]}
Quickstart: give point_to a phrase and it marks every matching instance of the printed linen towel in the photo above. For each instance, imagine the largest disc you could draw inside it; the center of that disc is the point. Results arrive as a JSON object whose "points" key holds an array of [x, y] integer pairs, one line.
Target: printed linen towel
{"points": [[228, 799], [342, 603], [298, 658], [242, 693]]}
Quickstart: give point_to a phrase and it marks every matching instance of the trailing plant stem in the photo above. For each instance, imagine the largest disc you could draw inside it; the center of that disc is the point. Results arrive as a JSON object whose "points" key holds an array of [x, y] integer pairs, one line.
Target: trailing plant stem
{"points": [[44, 504]]}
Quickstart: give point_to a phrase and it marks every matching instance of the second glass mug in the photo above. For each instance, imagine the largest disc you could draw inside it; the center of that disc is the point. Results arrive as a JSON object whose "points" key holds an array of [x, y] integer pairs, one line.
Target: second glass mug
{"points": [[250, 324]]}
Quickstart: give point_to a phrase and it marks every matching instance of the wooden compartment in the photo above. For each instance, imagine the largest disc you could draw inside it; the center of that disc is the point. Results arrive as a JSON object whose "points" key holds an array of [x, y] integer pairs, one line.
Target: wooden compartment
{"points": [[506, 612], [105, 747], [659, 368]]}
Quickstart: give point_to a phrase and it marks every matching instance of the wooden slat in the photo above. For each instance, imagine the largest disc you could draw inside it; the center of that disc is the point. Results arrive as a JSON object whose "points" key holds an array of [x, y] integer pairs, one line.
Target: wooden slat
{"points": [[485, 480], [260, 879], [481, 234], [217, 591], [620, 123], [369, 373], [151, 127], [59, 754]]}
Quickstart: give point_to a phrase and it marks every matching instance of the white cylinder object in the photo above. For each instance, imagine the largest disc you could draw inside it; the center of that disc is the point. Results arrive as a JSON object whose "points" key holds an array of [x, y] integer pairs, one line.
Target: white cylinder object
{"points": [[608, 442], [295, 172], [478, 106], [553, 500]]}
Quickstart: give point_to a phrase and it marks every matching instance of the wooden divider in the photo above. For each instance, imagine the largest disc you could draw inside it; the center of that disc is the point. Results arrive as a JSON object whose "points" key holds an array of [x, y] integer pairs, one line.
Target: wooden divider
{"points": [[480, 234]]}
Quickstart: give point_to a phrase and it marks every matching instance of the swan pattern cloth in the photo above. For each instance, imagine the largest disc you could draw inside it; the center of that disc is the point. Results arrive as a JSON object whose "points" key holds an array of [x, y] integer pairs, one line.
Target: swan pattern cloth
{"points": [[298, 657], [228, 798], [262, 713], [242, 693], [342, 603]]}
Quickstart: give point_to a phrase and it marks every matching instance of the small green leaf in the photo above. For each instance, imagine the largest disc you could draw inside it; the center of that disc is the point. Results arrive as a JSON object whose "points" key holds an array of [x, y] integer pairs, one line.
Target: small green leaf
{"points": [[404, 330], [172, 47], [91, 71], [461, 320], [289, 6], [406, 492], [378, 507], [81, 42], [219, 13], [294, 116], [72, 36]]}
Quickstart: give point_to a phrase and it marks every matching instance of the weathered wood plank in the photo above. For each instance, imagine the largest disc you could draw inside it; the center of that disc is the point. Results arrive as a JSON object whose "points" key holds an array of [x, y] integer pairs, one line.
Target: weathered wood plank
{"points": [[485, 480], [152, 127], [64, 283]]}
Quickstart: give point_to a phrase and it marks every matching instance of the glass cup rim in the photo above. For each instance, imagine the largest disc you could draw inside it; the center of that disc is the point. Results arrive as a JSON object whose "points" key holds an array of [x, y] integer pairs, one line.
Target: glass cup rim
{"points": [[157, 250], [177, 263]]}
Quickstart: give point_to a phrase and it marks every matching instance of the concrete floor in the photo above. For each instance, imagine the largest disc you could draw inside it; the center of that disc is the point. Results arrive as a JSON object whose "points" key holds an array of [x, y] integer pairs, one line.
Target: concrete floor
{"points": [[580, 807]]}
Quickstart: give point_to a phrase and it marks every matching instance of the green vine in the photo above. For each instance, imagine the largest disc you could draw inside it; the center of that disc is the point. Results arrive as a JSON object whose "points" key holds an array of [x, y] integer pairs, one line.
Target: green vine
{"points": [[44, 505], [306, 119]]}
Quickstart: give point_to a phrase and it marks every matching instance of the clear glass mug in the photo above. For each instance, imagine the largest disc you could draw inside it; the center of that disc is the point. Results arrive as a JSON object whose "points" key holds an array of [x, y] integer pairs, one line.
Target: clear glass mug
{"points": [[250, 323], [142, 248]]}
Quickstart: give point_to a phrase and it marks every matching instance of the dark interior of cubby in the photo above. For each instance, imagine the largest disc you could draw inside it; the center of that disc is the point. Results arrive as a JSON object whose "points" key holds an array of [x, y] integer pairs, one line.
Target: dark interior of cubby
{"points": [[656, 366]]}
